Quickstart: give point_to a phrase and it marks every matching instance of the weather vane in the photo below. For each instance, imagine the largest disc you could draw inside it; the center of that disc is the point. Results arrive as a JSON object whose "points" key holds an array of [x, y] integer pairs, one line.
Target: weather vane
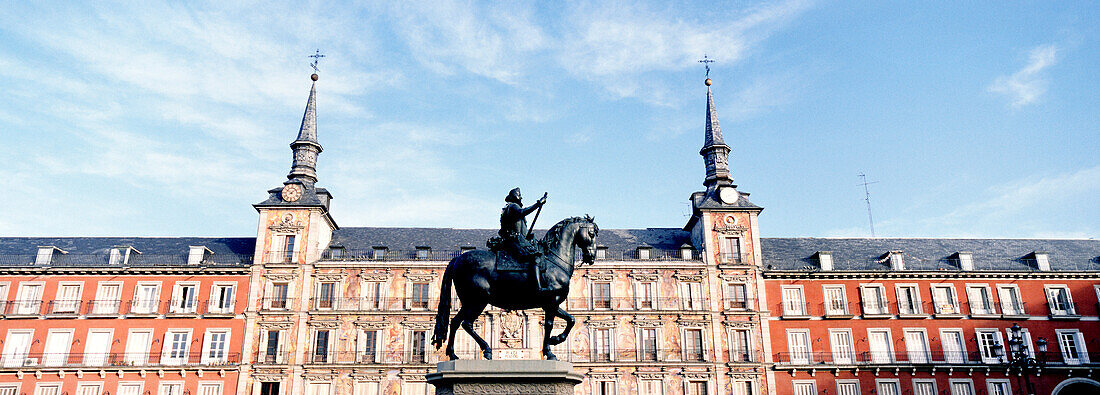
{"points": [[316, 57], [706, 63]]}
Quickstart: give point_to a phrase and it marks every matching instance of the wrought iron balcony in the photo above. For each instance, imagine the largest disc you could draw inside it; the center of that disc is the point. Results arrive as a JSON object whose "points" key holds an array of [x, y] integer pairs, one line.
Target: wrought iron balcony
{"points": [[77, 360]]}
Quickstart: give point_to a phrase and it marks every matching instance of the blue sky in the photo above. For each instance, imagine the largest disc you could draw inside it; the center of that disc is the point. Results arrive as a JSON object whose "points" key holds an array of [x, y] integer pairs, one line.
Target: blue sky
{"points": [[148, 119]]}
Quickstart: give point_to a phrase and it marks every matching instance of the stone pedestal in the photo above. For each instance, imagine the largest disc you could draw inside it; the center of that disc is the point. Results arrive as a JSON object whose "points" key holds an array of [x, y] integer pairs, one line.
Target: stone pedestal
{"points": [[504, 377]]}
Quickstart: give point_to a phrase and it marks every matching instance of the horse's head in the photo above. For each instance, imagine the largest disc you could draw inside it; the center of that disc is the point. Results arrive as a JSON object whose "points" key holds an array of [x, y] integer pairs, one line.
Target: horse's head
{"points": [[586, 239]]}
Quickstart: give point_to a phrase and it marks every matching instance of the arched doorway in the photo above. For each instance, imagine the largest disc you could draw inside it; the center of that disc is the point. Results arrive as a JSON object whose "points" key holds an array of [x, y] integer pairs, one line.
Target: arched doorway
{"points": [[1077, 386]]}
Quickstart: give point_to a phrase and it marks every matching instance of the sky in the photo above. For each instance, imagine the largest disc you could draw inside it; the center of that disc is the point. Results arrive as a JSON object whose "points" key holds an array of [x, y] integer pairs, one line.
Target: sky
{"points": [[973, 119]]}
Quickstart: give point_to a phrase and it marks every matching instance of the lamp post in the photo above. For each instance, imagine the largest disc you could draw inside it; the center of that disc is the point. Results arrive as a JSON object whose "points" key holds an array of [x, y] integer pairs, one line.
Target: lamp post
{"points": [[1019, 358]]}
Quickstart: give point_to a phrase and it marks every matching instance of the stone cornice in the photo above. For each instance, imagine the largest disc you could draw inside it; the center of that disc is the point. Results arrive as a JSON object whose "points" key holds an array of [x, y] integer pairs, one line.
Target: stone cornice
{"points": [[689, 277]]}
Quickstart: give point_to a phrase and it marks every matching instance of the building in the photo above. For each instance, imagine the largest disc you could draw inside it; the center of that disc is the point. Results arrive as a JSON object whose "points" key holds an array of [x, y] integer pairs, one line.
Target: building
{"points": [[710, 308]]}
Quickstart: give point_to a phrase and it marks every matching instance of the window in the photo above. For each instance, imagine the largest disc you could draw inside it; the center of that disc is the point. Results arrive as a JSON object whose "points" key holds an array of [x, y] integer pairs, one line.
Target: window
{"points": [[418, 347], [693, 345], [272, 347], [847, 387], [1011, 302], [47, 389], [288, 248], [177, 344], [835, 301], [89, 388], [1060, 301], [882, 349], [423, 253], [379, 253], [651, 387], [326, 295], [45, 255], [798, 346], [215, 344], [924, 387], [321, 346], [794, 304], [107, 299], [145, 299], [210, 389], [605, 387], [326, 389], [743, 387], [916, 345], [58, 344], [954, 350], [908, 300], [97, 346], [372, 292], [874, 300], [804, 388], [368, 346], [643, 252], [646, 296], [602, 349], [998, 387], [740, 350], [601, 295], [841, 342], [171, 389], [269, 388], [365, 388], [601, 252], [729, 249], [697, 387], [221, 299], [68, 298], [183, 299], [692, 295], [990, 345], [966, 261], [6, 389], [196, 254], [138, 342], [29, 300], [943, 295], [648, 351], [336, 253], [1072, 344], [420, 295], [1025, 335], [981, 300], [888, 387], [129, 388], [17, 347], [736, 296], [962, 387], [278, 295]]}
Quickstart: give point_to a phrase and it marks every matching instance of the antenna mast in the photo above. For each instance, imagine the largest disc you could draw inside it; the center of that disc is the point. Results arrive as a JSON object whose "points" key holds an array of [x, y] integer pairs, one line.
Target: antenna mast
{"points": [[867, 198]]}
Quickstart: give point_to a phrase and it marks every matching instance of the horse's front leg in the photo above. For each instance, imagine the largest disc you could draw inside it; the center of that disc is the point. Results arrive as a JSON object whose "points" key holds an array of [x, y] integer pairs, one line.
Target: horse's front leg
{"points": [[569, 321], [547, 326]]}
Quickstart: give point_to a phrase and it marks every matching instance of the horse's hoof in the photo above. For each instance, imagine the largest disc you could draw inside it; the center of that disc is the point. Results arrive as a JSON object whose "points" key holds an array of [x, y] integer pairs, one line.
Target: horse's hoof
{"points": [[550, 356], [453, 357], [488, 354]]}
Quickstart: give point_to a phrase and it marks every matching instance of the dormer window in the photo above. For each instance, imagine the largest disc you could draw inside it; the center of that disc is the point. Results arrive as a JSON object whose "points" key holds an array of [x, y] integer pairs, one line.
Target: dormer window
{"points": [[894, 259], [336, 253], [465, 249], [45, 255], [423, 252], [197, 254], [825, 260], [379, 253], [1042, 261], [966, 261], [643, 252], [687, 252], [601, 252], [121, 255]]}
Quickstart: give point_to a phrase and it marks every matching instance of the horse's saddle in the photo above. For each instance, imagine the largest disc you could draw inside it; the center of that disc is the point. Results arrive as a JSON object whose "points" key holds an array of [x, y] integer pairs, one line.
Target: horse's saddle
{"points": [[504, 260]]}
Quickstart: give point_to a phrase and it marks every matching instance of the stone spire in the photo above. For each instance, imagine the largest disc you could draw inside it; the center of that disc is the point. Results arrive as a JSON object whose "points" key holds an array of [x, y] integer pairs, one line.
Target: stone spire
{"points": [[306, 147], [715, 152]]}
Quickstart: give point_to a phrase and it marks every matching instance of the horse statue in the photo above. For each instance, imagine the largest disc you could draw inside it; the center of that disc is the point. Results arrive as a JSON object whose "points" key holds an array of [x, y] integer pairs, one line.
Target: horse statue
{"points": [[479, 281]]}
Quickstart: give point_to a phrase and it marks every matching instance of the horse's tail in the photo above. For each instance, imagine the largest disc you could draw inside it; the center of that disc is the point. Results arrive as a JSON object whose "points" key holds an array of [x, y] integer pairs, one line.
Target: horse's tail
{"points": [[443, 314]]}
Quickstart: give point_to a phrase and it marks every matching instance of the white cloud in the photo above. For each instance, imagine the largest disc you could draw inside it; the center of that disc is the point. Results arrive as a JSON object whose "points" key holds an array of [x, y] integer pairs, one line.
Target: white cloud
{"points": [[1027, 85]]}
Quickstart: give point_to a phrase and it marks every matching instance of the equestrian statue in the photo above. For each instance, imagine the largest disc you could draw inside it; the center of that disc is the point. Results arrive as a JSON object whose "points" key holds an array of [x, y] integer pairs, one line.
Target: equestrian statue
{"points": [[516, 273]]}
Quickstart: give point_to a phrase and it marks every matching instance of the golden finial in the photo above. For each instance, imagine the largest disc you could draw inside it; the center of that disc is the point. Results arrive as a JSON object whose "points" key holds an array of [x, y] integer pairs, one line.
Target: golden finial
{"points": [[706, 63], [708, 81], [314, 77]]}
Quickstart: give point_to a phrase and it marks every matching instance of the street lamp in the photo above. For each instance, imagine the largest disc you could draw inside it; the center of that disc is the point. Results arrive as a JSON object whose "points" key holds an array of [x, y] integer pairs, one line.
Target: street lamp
{"points": [[1019, 358]]}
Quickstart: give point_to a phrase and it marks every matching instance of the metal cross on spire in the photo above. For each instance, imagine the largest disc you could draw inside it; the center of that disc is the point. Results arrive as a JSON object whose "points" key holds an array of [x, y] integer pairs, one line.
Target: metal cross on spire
{"points": [[706, 63], [316, 57]]}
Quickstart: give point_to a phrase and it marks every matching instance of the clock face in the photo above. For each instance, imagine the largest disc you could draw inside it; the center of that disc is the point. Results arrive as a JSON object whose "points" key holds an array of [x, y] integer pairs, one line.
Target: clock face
{"points": [[292, 192], [728, 195]]}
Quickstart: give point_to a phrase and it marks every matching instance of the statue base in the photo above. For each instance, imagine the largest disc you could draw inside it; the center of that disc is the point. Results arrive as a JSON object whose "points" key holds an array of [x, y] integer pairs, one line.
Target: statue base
{"points": [[504, 377]]}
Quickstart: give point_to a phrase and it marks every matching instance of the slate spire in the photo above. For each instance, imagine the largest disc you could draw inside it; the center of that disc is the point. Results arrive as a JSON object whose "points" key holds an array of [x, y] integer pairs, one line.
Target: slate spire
{"points": [[305, 147], [715, 152]]}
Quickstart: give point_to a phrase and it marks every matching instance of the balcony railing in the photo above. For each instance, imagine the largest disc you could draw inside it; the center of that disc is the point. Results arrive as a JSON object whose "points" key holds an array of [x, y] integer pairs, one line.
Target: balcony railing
{"points": [[280, 256], [277, 304], [795, 309], [915, 358], [24, 308], [735, 303], [64, 307], [345, 304], [103, 307], [341, 254], [834, 309], [35, 360], [732, 259], [1063, 310]]}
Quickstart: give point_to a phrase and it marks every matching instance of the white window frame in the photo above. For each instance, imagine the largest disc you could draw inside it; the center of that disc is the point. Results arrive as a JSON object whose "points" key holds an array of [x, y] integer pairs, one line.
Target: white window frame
{"points": [[361, 344], [989, 309], [660, 387], [138, 355], [280, 344], [336, 287], [1011, 290], [330, 346], [83, 386], [429, 356], [896, 383], [968, 382], [71, 306], [797, 383], [99, 301], [1070, 308], [888, 352], [707, 383], [610, 344], [942, 306], [805, 355], [269, 295], [29, 305], [656, 343], [640, 297], [9, 389], [124, 384], [918, 309], [174, 388], [794, 301], [922, 357], [883, 302], [39, 388], [840, 382], [990, 383], [962, 353], [842, 355], [595, 301], [376, 301], [57, 358], [216, 302], [177, 297], [92, 358], [1079, 343], [153, 304], [13, 357], [830, 304], [166, 348], [207, 344], [205, 385], [750, 350], [702, 342], [984, 347], [935, 389], [691, 295]]}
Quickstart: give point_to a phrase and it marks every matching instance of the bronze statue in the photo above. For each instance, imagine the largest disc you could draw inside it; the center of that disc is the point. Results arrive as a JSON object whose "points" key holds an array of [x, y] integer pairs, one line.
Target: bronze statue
{"points": [[483, 277], [515, 237]]}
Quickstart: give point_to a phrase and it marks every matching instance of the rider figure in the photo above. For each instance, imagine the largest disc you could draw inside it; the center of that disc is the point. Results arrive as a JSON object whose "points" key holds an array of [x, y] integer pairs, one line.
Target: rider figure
{"points": [[513, 231]]}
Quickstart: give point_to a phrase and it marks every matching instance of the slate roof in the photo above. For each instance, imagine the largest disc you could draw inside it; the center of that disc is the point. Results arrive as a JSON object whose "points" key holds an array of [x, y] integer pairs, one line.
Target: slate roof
{"points": [[929, 254], [155, 251], [448, 239]]}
